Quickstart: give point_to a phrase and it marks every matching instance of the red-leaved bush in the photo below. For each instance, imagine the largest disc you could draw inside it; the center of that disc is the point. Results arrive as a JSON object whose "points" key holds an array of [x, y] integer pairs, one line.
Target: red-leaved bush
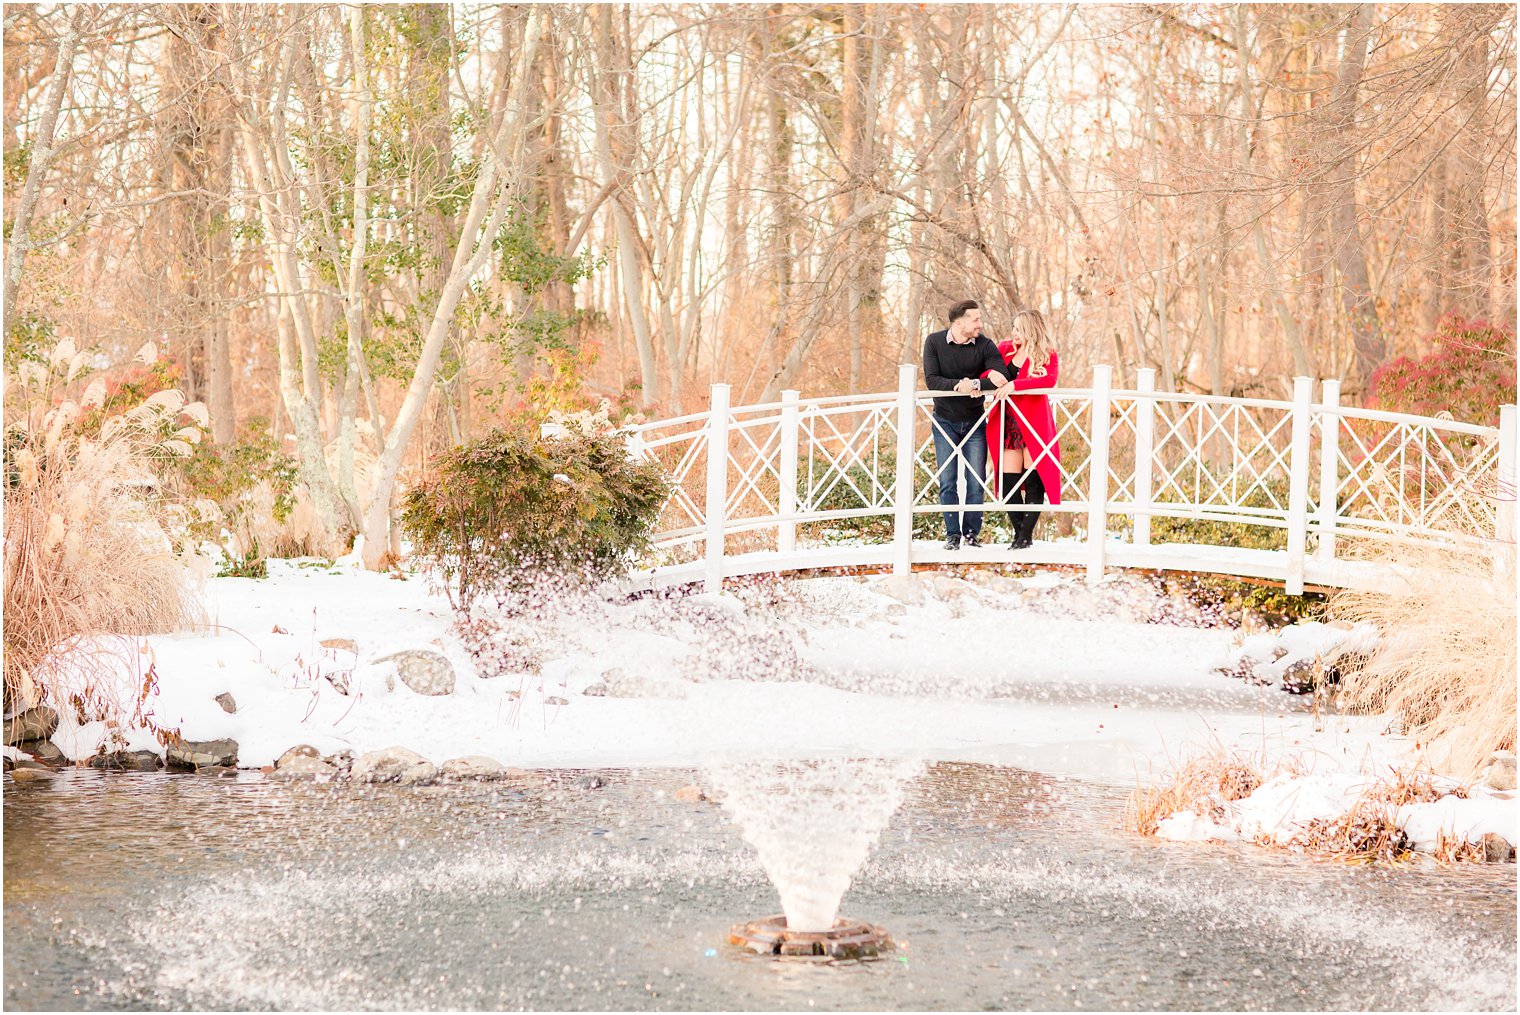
{"points": [[1469, 373]]}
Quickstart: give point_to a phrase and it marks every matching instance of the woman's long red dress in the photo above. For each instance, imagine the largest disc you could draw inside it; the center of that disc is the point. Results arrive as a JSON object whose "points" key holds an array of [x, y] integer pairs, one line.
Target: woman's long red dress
{"points": [[1029, 410]]}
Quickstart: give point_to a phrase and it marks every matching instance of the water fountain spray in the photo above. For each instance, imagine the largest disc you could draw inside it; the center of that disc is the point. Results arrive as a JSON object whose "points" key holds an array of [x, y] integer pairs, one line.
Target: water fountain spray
{"points": [[812, 823]]}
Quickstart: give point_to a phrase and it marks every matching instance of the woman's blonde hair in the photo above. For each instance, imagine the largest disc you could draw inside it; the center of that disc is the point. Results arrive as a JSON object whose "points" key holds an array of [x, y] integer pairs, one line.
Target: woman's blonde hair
{"points": [[1031, 324]]}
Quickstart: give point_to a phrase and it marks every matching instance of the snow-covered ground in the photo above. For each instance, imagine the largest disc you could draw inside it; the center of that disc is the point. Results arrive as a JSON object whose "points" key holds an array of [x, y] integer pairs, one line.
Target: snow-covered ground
{"points": [[1112, 684]]}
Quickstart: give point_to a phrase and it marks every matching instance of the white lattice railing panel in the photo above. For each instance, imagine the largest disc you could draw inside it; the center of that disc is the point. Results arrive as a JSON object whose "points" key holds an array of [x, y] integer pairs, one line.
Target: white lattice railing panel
{"points": [[846, 458], [1223, 457], [684, 459], [754, 467], [1122, 437], [1416, 475]]}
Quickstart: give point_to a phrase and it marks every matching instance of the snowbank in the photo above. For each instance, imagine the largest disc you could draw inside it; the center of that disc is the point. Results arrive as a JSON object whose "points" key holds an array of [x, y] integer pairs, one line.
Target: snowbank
{"points": [[1043, 673]]}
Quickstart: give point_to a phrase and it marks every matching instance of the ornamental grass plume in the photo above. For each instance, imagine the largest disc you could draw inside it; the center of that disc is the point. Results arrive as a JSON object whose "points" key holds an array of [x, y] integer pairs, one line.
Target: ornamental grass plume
{"points": [[1445, 659], [87, 566]]}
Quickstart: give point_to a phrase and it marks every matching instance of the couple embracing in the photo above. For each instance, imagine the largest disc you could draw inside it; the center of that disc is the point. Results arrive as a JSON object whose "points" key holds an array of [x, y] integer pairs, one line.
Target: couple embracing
{"points": [[1019, 433]]}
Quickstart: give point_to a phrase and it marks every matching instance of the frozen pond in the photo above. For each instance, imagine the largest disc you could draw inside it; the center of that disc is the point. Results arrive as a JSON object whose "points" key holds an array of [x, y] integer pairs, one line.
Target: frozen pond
{"points": [[1006, 889]]}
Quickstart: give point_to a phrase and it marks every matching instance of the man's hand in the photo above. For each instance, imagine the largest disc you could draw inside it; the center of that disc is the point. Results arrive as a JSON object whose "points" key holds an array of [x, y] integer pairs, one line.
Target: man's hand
{"points": [[967, 386]]}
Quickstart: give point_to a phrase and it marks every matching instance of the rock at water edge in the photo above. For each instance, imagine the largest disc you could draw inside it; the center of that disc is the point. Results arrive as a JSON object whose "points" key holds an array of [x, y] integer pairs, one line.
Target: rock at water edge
{"points": [[128, 761], [44, 750], [394, 764], [201, 753], [478, 766], [304, 766], [298, 751]]}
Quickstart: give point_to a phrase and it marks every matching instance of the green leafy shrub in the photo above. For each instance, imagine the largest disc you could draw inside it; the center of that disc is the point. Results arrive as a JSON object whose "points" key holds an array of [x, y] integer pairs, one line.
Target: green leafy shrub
{"points": [[234, 477], [499, 515]]}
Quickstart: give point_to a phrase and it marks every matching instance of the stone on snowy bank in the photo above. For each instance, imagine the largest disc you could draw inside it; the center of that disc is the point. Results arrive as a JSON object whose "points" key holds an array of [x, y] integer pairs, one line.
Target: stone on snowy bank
{"points": [[228, 702], [1301, 677], [342, 760], [949, 588], [1500, 774], [620, 684], [44, 751], [423, 670], [36, 723], [394, 764], [1496, 849], [478, 766], [305, 766], [905, 588], [201, 753]]}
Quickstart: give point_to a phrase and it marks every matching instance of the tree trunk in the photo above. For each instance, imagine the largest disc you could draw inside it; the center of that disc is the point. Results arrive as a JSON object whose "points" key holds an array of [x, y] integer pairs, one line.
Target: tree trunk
{"points": [[1357, 298], [1248, 122], [193, 131], [609, 114], [496, 186], [37, 166]]}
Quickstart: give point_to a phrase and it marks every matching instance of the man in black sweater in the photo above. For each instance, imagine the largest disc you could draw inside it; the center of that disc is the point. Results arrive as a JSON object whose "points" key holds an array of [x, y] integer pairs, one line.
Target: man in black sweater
{"points": [[954, 360]]}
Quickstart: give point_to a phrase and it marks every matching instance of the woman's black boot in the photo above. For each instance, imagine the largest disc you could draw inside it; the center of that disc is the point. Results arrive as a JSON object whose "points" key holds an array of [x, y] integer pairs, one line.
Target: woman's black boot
{"points": [[1034, 495], [1015, 495]]}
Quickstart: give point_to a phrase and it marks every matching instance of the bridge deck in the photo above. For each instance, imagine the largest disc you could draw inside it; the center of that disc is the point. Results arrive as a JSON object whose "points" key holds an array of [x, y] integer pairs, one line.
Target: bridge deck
{"points": [[1268, 564]]}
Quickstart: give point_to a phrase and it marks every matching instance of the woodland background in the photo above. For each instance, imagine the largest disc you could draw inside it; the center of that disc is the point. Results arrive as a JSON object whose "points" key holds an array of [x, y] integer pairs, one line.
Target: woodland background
{"points": [[373, 232]]}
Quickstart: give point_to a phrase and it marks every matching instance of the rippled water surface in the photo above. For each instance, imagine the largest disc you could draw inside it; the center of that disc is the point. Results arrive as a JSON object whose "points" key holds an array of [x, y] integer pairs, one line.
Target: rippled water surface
{"points": [[1005, 889]]}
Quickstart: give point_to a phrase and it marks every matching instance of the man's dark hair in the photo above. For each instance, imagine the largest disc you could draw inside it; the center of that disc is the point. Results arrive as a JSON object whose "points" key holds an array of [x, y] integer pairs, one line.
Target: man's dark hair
{"points": [[959, 310]]}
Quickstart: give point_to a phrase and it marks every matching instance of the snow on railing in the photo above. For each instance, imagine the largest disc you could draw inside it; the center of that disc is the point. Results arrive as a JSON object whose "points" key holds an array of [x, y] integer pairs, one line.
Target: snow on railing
{"points": [[1323, 473]]}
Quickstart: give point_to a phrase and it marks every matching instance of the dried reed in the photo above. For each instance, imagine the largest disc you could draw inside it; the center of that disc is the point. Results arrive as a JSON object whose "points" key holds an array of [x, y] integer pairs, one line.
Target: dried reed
{"points": [[1445, 661], [1368, 832], [87, 567], [1204, 785]]}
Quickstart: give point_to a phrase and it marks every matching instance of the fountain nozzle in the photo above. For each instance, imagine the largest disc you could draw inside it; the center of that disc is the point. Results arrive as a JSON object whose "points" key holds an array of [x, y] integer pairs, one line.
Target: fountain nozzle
{"points": [[847, 939]]}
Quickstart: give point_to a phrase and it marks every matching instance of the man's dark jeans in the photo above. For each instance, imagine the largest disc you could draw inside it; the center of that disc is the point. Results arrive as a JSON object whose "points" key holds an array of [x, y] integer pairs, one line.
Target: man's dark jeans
{"points": [[970, 438]]}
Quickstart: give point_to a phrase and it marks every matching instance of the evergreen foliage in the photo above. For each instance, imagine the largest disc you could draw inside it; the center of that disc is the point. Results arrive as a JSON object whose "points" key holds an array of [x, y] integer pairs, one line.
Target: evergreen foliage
{"points": [[500, 514]]}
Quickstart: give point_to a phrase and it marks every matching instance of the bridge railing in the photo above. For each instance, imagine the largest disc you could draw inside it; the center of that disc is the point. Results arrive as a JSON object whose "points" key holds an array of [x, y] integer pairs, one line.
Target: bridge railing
{"points": [[1324, 474]]}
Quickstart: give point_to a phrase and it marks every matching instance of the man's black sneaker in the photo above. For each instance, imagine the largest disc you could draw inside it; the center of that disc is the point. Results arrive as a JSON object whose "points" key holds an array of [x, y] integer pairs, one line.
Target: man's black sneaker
{"points": [[972, 542], [952, 542]]}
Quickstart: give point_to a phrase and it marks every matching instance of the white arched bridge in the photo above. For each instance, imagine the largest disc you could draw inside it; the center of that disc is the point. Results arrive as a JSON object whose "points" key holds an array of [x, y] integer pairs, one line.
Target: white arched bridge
{"points": [[1149, 479]]}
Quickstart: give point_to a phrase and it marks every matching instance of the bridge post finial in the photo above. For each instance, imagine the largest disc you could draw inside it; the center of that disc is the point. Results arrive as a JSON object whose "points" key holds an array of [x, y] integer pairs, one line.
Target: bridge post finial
{"points": [[1099, 423], [904, 491], [1145, 440], [1298, 483], [715, 510], [790, 445], [1329, 468]]}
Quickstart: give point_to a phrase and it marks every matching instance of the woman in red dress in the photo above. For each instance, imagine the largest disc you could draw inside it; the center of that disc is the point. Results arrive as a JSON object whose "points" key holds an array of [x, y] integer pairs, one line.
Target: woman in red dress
{"points": [[1021, 430]]}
